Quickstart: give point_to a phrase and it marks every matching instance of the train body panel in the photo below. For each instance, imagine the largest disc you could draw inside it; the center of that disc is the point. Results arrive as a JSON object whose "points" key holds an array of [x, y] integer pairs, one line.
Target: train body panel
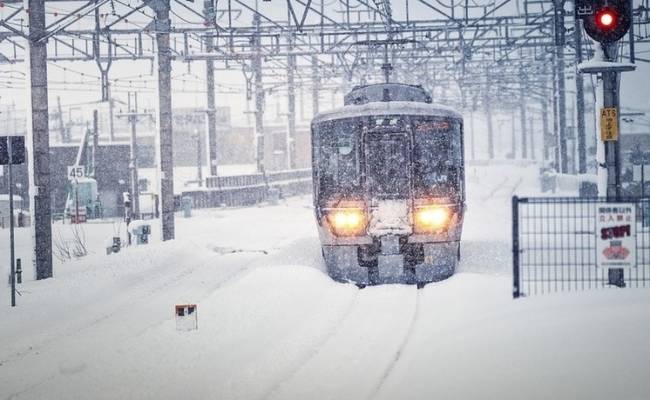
{"points": [[389, 191]]}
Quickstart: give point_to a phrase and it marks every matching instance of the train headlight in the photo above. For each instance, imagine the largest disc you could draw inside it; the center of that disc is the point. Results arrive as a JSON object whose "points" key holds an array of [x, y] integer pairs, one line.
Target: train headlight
{"points": [[431, 219], [347, 221]]}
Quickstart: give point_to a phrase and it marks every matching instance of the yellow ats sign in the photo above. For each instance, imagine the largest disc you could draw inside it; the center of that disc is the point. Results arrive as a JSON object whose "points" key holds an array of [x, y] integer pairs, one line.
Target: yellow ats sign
{"points": [[608, 124]]}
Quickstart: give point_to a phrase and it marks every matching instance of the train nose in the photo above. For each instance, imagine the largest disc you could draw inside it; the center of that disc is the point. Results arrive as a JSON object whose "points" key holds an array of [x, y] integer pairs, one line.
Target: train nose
{"points": [[389, 217]]}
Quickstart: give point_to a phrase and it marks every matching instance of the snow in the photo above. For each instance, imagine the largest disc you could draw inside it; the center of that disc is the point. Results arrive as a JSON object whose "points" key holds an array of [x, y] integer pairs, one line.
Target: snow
{"points": [[272, 324], [383, 108], [147, 203], [390, 217], [595, 66], [84, 179], [5, 197], [137, 224], [567, 182]]}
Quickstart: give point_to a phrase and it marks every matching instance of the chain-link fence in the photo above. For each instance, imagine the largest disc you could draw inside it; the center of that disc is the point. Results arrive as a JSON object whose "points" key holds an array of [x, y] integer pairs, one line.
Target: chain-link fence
{"points": [[570, 244]]}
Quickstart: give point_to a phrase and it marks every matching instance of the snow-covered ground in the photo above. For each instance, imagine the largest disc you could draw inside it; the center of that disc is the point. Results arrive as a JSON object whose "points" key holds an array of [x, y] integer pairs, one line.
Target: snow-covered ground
{"points": [[273, 325]]}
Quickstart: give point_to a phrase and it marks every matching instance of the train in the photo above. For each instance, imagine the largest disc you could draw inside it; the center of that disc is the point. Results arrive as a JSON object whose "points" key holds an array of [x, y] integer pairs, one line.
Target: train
{"points": [[389, 186]]}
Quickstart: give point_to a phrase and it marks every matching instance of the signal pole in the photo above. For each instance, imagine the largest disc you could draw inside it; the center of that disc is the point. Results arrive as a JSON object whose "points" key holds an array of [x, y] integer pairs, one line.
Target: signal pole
{"points": [[8, 156], [607, 21], [12, 254], [608, 105], [611, 82]]}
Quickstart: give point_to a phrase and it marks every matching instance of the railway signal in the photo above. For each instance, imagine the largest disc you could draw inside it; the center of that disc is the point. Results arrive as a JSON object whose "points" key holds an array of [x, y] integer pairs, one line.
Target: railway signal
{"points": [[12, 152], [605, 21]]}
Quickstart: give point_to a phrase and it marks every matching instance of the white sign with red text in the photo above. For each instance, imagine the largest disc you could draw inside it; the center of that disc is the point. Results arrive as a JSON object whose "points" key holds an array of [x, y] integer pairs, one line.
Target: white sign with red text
{"points": [[616, 235]]}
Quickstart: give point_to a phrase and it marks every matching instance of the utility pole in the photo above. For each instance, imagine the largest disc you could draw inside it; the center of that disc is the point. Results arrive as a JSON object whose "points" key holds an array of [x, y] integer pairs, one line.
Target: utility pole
{"points": [[522, 115], [111, 118], [62, 131], [104, 69], [472, 148], [488, 116], [580, 100], [315, 83], [199, 151], [291, 106], [545, 132], [39, 142], [531, 129], [556, 119], [561, 92], [93, 152], [259, 97], [513, 138], [209, 12], [387, 67], [133, 116], [164, 120]]}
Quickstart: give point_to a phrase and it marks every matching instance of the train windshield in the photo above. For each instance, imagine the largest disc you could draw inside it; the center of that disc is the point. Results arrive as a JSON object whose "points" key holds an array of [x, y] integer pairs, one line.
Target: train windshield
{"points": [[437, 157], [339, 158], [389, 160], [387, 165]]}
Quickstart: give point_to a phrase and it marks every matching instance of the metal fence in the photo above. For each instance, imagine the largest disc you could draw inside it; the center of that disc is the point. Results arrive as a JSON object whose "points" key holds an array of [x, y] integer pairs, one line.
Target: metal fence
{"points": [[245, 190], [238, 181], [556, 245]]}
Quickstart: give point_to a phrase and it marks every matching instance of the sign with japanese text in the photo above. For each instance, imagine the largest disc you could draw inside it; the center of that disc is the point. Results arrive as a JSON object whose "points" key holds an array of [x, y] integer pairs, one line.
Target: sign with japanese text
{"points": [[608, 124], [616, 235]]}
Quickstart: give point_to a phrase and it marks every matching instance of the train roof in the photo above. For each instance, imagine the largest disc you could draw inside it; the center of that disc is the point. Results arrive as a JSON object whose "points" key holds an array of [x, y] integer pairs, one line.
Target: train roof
{"points": [[388, 107], [386, 92]]}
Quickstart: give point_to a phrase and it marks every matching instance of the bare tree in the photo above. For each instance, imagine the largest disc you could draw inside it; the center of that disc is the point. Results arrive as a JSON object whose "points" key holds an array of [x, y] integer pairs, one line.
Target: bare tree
{"points": [[75, 247]]}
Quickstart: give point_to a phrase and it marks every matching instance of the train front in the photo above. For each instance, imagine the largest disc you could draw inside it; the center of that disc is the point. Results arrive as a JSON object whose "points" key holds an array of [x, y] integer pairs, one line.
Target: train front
{"points": [[389, 191]]}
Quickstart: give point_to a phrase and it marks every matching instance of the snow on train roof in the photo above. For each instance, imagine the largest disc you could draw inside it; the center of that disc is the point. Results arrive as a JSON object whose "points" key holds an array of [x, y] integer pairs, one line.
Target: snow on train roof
{"points": [[388, 107]]}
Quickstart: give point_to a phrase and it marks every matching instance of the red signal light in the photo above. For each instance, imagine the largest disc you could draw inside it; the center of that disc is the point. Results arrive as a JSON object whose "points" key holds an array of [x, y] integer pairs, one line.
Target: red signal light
{"points": [[606, 19]]}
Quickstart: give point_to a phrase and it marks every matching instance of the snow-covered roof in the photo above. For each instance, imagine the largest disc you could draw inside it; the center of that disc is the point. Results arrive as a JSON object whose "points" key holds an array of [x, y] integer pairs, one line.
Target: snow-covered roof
{"points": [[84, 179], [595, 66], [388, 107], [5, 197]]}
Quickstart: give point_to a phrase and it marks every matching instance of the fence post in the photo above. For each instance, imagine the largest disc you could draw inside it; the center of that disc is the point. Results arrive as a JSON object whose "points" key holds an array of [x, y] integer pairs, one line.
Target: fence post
{"points": [[516, 289]]}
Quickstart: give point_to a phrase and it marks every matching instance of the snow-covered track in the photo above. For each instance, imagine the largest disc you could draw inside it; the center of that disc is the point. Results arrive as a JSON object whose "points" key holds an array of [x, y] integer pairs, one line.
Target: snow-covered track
{"points": [[415, 316], [352, 362]]}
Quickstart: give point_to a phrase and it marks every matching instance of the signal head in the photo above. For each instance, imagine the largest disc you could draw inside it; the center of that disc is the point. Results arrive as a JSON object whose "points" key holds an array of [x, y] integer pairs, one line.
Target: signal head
{"points": [[606, 21]]}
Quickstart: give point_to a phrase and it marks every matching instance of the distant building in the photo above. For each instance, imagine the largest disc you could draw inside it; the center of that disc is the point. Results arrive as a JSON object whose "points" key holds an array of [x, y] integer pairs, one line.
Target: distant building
{"points": [[235, 145]]}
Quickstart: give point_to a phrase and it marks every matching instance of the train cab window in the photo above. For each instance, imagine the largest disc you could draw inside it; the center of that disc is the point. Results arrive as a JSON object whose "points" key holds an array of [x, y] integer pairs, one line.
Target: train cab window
{"points": [[387, 165], [437, 157], [339, 157]]}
